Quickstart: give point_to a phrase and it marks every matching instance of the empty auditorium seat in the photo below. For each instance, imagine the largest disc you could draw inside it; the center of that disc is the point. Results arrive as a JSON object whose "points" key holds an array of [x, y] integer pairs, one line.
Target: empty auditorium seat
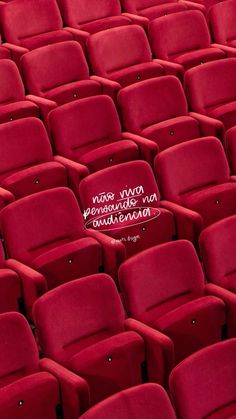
{"points": [[157, 109], [96, 15], [26, 160], [13, 102], [204, 385], [31, 24], [124, 202], [58, 73], [10, 287], [29, 385], [222, 17], [184, 39], [123, 55], [89, 132], [95, 341], [45, 231], [211, 90], [152, 9], [146, 401], [203, 186], [164, 288]]}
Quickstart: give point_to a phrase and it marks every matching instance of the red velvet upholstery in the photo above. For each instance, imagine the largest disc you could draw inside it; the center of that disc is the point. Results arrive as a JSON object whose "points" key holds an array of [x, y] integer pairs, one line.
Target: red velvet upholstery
{"points": [[157, 109], [204, 385], [153, 8], [203, 184], [164, 288], [22, 26], [89, 132], [58, 72], [25, 386], [142, 402], [124, 202], [91, 340], [222, 18], [211, 90], [26, 160], [230, 147], [13, 103], [184, 39], [4, 52], [93, 16], [45, 231], [10, 287], [217, 249], [122, 55]]}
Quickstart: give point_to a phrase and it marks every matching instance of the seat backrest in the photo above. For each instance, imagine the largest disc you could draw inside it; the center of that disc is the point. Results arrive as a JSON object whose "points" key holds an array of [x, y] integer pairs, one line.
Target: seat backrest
{"points": [[211, 84], [160, 279], [118, 48], [204, 383], [23, 143], [80, 126], [135, 6], [151, 101], [91, 310], [76, 12], [203, 164], [218, 252], [179, 33], [222, 21], [20, 19], [11, 85], [115, 190], [18, 350], [142, 401], [53, 65], [40, 222]]}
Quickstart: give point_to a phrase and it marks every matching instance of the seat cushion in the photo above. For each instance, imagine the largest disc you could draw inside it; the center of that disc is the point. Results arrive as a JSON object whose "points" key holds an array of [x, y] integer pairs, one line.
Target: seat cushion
{"points": [[213, 203], [73, 91], [69, 261], [173, 131], [35, 179], [194, 58], [226, 113], [37, 394], [106, 23], [193, 325], [42, 39], [110, 365], [17, 110], [162, 9], [136, 73], [110, 154]]}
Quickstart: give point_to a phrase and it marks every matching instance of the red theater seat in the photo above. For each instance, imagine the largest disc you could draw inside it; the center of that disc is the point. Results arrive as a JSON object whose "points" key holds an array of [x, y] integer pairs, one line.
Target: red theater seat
{"points": [[123, 56], [230, 147], [89, 132], [152, 9], [95, 341], [204, 385], [31, 24], [13, 102], [10, 287], [45, 231], [222, 22], [96, 15], [184, 39], [211, 90], [157, 109], [124, 202], [58, 73], [141, 402], [29, 385], [164, 288]]}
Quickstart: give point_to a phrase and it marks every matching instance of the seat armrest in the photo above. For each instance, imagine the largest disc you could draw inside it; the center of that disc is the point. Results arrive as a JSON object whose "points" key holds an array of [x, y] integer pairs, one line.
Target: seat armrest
{"points": [[74, 389], [45, 105], [76, 172], [137, 20], [148, 148], [209, 126], [109, 87], [174, 69], [229, 51]]}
